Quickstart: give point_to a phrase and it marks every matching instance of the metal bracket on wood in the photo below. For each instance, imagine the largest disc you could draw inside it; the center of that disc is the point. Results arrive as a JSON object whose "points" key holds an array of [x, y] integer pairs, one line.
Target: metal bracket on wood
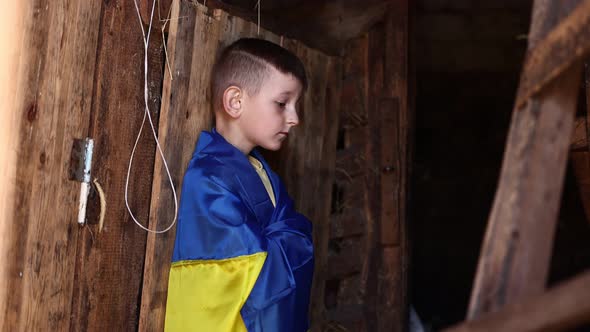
{"points": [[80, 170]]}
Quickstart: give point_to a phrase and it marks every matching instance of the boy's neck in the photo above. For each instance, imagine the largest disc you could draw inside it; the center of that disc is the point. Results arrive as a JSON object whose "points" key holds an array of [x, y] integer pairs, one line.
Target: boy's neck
{"points": [[234, 137]]}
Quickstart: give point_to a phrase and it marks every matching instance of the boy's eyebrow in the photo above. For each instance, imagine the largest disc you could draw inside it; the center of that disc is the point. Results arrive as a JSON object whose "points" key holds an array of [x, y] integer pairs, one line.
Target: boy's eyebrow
{"points": [[288, 93]]}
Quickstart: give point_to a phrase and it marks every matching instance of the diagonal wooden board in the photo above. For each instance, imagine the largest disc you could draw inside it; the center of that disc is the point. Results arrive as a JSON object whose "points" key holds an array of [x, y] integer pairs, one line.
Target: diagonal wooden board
{"points": [[516, 252]]}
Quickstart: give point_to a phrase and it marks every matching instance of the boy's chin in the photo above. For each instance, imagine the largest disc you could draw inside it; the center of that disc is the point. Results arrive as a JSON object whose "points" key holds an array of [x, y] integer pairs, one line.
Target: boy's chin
{"points": [[272, 147]]}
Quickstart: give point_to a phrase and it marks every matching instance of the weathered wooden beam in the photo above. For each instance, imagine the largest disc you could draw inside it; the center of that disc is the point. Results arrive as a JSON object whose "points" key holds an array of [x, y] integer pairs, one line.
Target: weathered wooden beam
{"points": [[161, 11], [561, 308], [390, 120], [183, 114], [563, 47], [325, 174], [516, 252], [324, 25]]}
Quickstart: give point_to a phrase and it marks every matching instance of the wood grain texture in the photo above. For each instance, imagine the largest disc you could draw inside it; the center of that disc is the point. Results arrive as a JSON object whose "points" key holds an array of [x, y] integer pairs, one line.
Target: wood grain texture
{"points": [[516, 252], [109, 263], [556, 50], [193, 42], [53, 103], [392, 120], [12, 23]]}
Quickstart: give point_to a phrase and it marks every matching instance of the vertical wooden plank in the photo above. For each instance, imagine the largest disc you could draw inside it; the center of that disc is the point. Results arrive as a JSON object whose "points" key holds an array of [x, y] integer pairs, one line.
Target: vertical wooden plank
{"points": [[391, 123], [356, 292], [375, 57], [12, 30], [52, 101], [110, 261], [161, 11], [192, 42], [516, 252], [391, 168], [330, 83]]}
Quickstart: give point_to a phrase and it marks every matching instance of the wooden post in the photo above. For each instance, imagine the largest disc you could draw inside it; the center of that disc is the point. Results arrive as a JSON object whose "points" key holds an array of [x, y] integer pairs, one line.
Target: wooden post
{"points": [[184, 113], [516, 252], [324, 171], [391, 122]]}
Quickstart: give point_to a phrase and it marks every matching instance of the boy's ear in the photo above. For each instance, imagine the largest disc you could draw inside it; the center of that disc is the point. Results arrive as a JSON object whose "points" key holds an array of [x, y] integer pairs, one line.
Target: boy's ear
{"points": [[232, 101]]}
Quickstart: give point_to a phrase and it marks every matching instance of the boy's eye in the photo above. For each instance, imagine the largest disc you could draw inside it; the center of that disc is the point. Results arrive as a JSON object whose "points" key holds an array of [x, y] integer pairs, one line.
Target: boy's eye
{"points": [[281, 104]]}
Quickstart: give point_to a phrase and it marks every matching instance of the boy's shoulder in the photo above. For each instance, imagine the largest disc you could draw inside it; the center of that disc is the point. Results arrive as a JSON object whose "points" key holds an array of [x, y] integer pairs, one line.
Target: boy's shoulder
{"points": [[206, 167]]}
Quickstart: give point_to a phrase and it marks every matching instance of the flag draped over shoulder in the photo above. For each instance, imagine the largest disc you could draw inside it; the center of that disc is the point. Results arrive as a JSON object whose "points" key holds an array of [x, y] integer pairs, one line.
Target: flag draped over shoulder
{"points": [[239, 263]]}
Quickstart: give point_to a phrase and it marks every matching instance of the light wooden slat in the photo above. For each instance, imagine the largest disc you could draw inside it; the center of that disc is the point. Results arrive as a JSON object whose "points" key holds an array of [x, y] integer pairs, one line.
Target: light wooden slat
{"points": [[52, 101], [180, 122], [12, 22]]}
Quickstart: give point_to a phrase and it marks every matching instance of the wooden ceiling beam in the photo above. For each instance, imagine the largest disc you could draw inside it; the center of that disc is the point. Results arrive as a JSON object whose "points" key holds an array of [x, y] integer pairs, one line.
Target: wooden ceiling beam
{"points": [[324, 25]]}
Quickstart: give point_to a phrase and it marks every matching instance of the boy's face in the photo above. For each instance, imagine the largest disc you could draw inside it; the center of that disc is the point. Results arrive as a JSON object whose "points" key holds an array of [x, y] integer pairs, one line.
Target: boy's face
{"points": [[268, 116]]}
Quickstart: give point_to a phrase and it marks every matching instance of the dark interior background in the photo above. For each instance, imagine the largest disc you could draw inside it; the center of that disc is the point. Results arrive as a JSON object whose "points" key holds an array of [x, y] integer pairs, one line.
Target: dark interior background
{"points": [[468, 56]]}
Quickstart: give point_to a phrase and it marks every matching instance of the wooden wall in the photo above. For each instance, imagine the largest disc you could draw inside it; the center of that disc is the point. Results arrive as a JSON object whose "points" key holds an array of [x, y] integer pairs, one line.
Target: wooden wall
{"points": [[368, 247]]}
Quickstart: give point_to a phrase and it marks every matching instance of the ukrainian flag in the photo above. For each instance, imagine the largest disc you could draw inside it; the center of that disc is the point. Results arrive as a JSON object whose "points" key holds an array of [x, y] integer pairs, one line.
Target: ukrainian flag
{"points": [[239, 263]]}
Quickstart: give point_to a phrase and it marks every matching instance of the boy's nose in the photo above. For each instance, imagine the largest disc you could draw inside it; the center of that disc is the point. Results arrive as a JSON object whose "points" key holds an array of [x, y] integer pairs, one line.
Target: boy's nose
{"points": [[293, 119]]}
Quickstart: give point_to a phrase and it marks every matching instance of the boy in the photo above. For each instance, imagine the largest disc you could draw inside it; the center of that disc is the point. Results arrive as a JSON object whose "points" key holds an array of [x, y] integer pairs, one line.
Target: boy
{"points": [[243, 257]]}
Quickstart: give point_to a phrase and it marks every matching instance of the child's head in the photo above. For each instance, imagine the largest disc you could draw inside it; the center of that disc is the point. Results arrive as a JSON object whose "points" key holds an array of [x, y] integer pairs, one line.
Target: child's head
{"points": [[255, 87]]}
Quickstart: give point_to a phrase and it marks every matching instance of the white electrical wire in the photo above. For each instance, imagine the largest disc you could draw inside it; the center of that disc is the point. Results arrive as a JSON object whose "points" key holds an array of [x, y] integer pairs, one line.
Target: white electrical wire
{"points": [[146, 42]]}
